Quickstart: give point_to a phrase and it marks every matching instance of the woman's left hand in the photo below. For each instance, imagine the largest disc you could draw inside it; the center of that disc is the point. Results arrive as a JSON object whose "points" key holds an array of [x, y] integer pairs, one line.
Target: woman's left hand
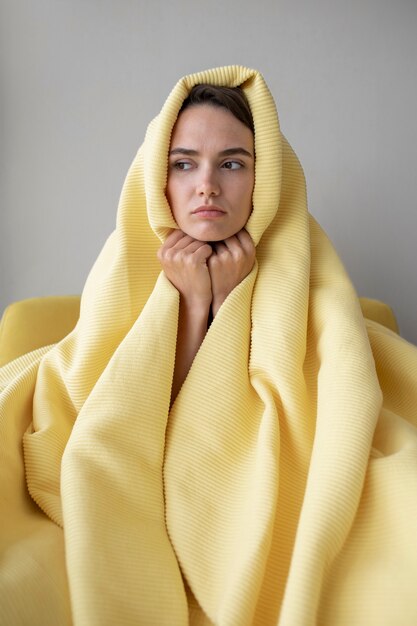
{"points": [[230, 262]]}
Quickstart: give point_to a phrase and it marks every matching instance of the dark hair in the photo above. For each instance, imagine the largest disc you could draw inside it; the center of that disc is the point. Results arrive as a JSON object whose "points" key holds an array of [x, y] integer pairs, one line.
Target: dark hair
{"points": [[231, 98]]}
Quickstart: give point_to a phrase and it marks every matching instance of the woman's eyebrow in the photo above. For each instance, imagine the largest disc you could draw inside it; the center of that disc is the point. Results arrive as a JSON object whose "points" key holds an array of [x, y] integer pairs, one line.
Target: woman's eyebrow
{"points": [[231, 151], [227, 152]]}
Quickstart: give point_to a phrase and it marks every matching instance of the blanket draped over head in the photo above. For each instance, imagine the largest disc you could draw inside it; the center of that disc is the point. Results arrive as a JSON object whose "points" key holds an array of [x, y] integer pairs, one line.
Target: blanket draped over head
{"points": [[280, 488]]}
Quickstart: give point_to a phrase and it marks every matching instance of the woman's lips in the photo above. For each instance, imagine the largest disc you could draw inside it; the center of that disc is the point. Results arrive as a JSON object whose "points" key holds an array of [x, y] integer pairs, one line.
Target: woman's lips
{"points": [[209, 211]]}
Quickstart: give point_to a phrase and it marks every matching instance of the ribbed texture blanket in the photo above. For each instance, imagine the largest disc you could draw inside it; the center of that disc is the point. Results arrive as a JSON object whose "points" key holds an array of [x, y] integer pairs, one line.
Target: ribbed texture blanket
{"points": [[279, 489]]}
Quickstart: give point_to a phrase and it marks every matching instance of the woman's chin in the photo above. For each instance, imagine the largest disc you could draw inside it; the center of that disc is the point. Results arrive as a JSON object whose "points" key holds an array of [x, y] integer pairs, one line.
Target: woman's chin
{"points": [[209, 233]]}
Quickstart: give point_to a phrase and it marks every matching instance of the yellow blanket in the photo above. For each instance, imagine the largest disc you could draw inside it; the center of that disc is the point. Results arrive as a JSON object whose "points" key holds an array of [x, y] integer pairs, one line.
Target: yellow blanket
{"points": [[281, 488]]}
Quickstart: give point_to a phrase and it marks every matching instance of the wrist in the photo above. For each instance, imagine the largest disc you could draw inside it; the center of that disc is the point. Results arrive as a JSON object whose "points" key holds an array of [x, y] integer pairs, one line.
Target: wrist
{"points": [[195, 307], [216, 304]]}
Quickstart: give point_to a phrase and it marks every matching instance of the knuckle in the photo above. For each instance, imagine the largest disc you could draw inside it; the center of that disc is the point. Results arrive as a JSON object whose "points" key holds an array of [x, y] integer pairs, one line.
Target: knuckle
{"points": [[239, 255], [162, 254]]}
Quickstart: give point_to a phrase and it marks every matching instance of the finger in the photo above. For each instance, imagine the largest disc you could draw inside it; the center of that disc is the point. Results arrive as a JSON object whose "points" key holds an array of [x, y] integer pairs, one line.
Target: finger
{"points": [[175, 241], [196, 246], [245, 239], [186, 245], [244, 243], [233, 245], [220, 247], [184, 242], [203, 253], [174, 236]]}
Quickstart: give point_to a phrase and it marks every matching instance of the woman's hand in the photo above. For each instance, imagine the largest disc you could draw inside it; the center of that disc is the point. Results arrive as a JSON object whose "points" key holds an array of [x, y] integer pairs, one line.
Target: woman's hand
{"points": [[184, 261], [230, 262]]}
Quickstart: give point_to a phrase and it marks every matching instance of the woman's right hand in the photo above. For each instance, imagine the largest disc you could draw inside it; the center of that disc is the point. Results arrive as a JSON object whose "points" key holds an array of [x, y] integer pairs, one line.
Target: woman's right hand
{"points": [[184, 261]]}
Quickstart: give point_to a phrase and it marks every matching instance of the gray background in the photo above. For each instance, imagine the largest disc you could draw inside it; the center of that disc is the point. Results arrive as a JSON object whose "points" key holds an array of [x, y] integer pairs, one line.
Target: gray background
{"points": [[80, 80]]}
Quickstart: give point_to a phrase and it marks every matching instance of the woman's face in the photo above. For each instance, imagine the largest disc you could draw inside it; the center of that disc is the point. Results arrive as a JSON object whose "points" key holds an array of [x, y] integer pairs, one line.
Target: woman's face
{"points": [[211, 173]]}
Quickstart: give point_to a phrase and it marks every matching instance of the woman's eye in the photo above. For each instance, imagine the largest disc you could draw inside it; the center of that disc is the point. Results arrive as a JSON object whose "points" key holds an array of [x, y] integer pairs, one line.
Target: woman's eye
{"points": [[182, 165], [232, 165]]}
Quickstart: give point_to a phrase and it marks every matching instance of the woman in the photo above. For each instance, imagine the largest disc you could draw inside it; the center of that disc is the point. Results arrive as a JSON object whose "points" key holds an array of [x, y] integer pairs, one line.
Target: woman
{"points": [[223, 442], [211, 174]]}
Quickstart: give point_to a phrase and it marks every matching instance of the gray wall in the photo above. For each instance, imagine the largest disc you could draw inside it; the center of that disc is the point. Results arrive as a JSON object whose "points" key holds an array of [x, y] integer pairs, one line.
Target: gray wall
{"points": [[80, 80]]}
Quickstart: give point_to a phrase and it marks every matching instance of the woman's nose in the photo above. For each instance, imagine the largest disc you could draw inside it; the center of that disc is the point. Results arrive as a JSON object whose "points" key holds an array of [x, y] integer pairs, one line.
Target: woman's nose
{"points": [[208, 184]]}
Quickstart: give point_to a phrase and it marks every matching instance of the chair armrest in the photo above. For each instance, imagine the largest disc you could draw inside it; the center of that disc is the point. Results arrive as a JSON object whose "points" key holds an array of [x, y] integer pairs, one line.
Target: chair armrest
{"points": [[36, 322], [379, 312]]}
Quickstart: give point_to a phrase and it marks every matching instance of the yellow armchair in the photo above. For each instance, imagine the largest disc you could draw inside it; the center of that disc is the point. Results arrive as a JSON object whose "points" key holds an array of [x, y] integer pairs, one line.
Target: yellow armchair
{"points": [[36, 322]]}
